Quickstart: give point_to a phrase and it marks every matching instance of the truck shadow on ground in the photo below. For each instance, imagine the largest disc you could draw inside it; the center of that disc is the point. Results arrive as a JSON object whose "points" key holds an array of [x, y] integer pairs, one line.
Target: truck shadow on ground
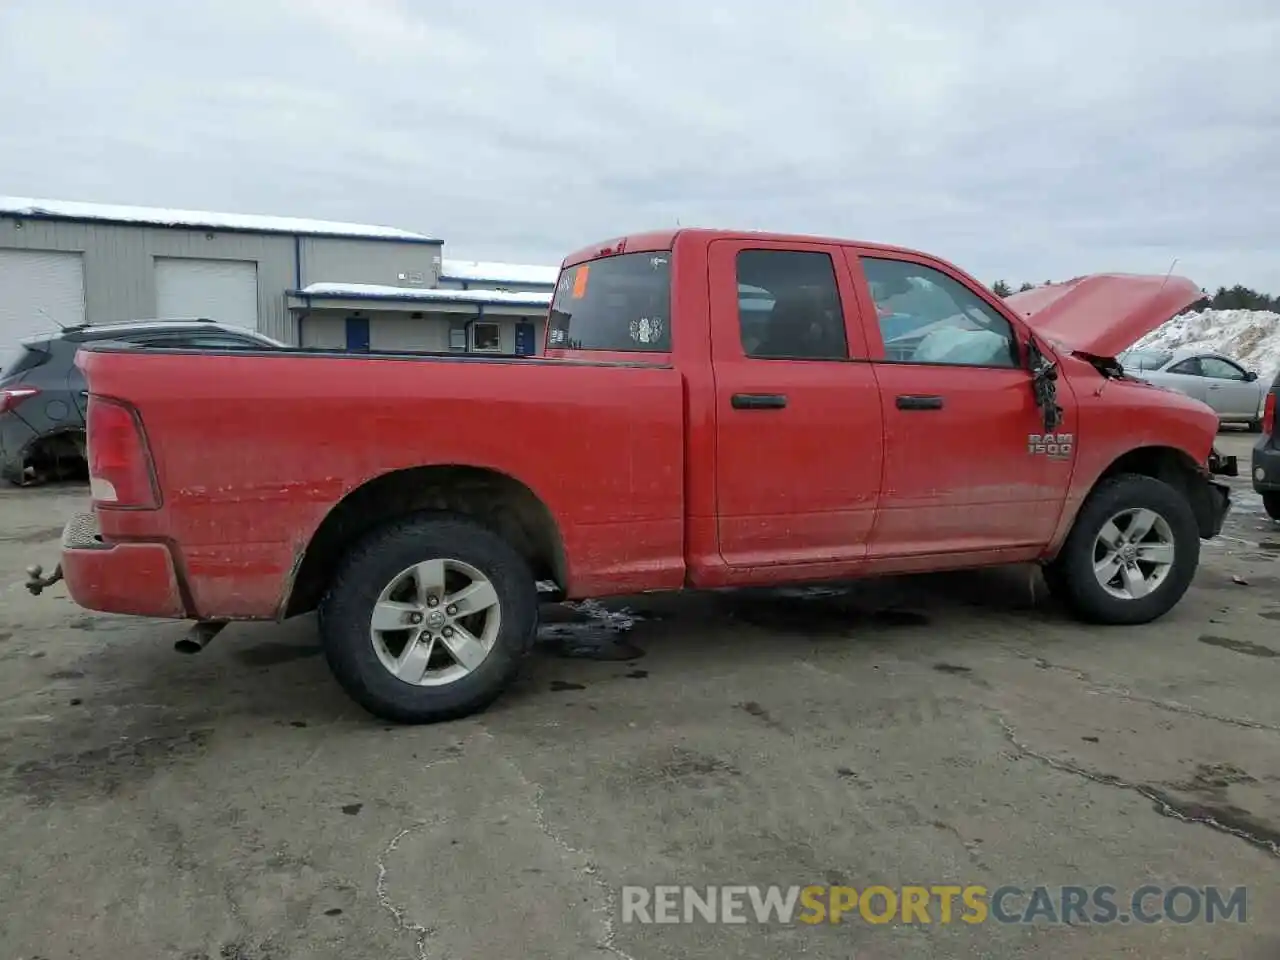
{"points": [[114, 717]]}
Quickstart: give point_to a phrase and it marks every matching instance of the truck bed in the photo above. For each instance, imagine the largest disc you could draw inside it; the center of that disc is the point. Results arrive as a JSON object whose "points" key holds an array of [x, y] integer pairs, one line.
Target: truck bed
{"points": [[257, 449]]}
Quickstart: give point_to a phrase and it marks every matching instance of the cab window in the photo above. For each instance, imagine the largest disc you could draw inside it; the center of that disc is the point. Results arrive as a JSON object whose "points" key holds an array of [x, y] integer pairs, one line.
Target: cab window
{"points": [[617, 303], [789, 306], [927, 317]]}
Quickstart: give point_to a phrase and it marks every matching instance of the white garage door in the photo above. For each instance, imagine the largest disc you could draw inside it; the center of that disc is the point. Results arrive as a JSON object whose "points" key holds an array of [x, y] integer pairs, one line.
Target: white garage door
{"points": [[222, 290], [39, 291]]}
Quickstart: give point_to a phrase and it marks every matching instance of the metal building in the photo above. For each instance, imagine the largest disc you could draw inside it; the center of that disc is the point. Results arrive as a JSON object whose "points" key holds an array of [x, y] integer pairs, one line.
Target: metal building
{"points": [[514, 277], [473, 307], [317, 283]]}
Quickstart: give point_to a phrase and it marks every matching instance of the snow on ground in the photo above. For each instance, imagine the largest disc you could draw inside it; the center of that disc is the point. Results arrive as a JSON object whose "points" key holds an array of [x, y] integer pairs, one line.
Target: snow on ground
{"points": [[1251, 337]]}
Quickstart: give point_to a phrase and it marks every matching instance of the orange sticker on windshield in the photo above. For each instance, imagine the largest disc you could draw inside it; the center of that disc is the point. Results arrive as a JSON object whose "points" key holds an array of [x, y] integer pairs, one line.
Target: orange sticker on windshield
{"points": [[580, 282]]}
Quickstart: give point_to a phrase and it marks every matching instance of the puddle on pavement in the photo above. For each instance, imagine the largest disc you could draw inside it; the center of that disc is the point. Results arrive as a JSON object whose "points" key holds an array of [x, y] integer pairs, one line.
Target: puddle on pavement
{"points": [[588, 630]]}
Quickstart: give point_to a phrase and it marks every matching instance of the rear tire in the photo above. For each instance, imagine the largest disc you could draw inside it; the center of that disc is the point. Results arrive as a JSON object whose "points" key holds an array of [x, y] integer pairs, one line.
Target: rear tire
{"points": [[442, 670], [1271, 504], [1104, 575]]}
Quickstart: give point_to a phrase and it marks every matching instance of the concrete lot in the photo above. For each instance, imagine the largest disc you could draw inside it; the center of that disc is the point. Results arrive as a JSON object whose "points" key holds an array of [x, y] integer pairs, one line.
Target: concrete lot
{"points": [[942, 730]]}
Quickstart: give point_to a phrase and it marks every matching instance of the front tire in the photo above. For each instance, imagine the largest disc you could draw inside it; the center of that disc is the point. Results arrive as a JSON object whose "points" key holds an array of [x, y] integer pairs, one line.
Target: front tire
{"points": [[429, 619], [1271, 504], [1131, 554]]}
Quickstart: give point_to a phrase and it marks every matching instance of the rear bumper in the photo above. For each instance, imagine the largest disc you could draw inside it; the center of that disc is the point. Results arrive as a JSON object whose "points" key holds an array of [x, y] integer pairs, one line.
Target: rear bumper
{"points": [[1266, 466], [131, 578]]}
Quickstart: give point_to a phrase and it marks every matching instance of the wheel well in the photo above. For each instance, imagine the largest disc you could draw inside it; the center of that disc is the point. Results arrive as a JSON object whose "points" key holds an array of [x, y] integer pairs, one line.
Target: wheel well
{"points": [[1176, 468], [68, 438], [60, 453], [1171, 465], [500, 502]]}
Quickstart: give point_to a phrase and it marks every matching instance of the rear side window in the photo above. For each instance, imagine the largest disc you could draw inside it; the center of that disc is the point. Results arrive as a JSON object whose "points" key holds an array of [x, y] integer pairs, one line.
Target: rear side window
{"points": [[789, 306], [21, 358], [618, 303]]}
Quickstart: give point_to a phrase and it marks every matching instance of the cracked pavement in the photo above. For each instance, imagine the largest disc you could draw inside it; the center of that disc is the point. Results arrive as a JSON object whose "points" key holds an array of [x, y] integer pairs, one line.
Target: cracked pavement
{"points": [[947, 729]]}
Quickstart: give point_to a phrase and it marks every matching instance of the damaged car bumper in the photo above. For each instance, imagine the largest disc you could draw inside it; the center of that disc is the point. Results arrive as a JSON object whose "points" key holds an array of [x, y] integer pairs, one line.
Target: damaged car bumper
{"points": [[1211, 498], [1223, 466]]}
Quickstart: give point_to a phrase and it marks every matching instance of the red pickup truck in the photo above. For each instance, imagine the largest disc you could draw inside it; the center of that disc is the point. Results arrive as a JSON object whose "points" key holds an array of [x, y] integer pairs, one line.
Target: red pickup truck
{"points": [[713, 409]]}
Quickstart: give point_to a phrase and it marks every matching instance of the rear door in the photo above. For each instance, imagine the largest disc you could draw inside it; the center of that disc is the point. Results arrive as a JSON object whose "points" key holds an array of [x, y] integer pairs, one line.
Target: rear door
{"points": [[968, 466], [799, 432]]}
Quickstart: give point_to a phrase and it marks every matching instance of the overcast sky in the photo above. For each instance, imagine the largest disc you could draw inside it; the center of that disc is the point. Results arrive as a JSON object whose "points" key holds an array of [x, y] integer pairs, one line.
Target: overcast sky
{"points": [[1023, 140]]}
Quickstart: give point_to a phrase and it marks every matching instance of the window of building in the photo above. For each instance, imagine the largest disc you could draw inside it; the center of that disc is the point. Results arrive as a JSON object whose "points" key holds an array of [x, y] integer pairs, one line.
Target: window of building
{"points": [[458, 336], [789, 306], [927, 317], [486, 337]]}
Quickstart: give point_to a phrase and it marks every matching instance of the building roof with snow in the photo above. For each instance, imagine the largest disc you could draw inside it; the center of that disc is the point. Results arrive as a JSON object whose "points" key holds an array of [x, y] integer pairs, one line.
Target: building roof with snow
{"points": [[37, 209], [372, 291], [482, 271]]}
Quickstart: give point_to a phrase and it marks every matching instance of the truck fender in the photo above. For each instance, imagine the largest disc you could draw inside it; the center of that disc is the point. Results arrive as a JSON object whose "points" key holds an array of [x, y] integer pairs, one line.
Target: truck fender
{"points": [[1172, 465], [501, 502]]}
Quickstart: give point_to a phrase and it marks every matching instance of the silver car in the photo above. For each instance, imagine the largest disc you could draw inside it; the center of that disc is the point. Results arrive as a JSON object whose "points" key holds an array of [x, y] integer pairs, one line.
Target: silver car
{"points": [[1236, 394]]}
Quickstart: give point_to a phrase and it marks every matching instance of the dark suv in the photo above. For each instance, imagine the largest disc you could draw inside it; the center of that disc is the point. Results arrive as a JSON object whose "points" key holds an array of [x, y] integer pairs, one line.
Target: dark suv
{"points": [[1266, 455], [42, 392]]}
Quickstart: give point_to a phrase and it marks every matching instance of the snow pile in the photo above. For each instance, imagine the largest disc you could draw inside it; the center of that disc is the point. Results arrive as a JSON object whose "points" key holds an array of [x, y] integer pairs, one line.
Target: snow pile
{"points": [[1251, 337]]}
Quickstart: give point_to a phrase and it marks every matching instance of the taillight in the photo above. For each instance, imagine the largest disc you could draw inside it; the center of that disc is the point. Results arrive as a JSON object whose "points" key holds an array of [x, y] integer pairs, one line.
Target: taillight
{"points": [[1269, 414], [10, 397], [119, 464]]}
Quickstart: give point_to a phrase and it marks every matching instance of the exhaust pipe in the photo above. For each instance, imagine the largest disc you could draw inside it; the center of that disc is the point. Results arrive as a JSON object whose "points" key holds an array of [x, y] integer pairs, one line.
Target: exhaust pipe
{"points": [[198, 637]]}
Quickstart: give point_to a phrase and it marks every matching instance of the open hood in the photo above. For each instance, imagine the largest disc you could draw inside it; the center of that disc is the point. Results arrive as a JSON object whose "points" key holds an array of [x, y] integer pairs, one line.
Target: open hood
{"points": [[1103, 314]]}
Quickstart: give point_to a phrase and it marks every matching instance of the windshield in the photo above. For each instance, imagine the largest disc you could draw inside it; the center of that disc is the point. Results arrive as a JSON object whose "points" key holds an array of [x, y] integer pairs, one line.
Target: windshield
{"points": [[1144, 359], [618, 303]]}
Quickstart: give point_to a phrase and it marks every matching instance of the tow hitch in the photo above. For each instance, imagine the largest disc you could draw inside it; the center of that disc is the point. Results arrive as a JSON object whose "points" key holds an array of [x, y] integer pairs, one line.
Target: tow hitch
{"points": [[36, 581]]}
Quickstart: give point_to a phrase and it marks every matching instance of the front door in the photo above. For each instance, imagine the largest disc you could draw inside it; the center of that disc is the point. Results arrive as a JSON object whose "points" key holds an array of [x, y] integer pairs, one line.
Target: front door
{"points": [[1229, 390], [797, 412], [524, 339], [358, 334], [1187, 377], [967, 467]]}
